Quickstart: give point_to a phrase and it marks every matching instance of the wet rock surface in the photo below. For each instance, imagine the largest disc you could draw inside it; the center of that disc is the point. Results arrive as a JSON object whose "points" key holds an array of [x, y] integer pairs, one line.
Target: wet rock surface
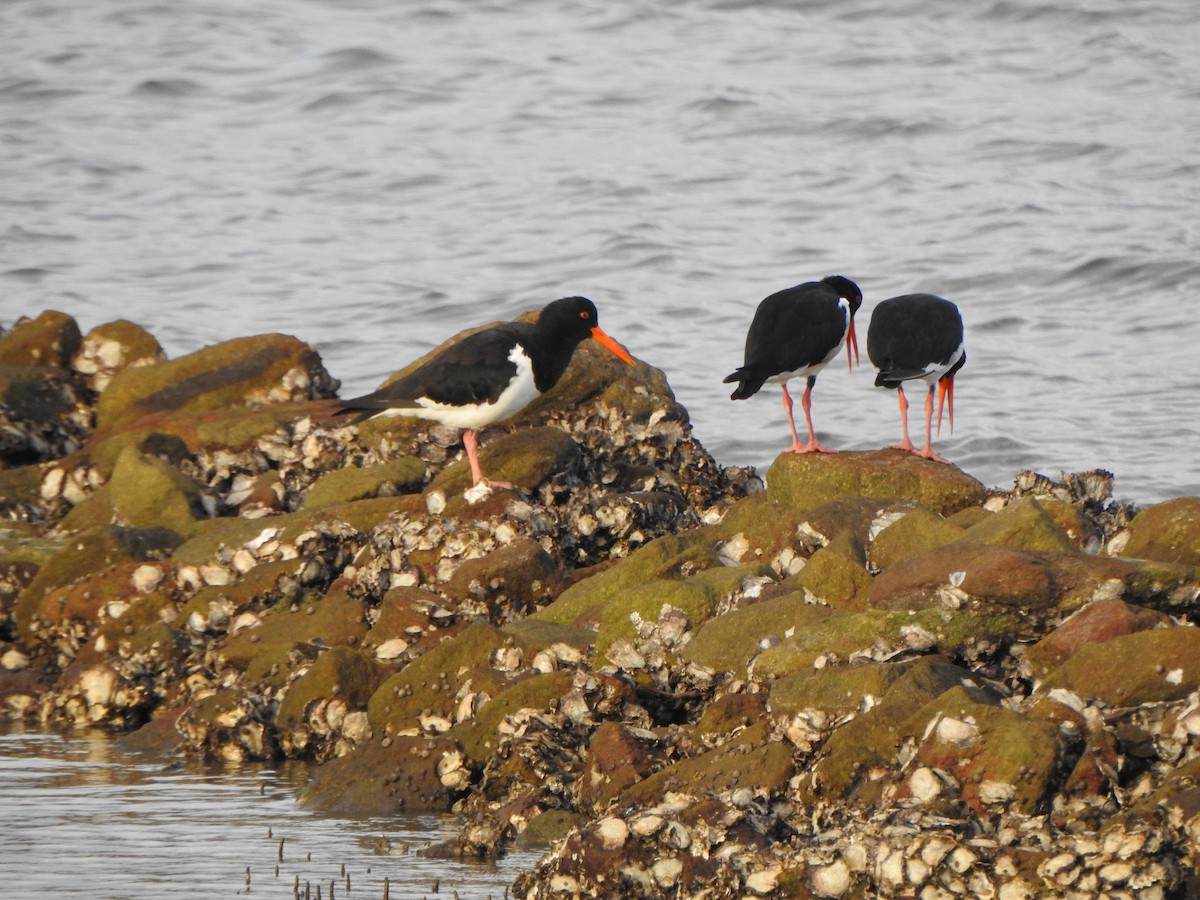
{"points": [[873, 678]]}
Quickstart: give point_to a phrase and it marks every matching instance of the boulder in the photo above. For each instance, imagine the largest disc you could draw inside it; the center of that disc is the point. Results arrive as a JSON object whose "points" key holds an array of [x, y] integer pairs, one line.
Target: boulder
{"points": [[1168, 531], [809, 480], [48, 341]]}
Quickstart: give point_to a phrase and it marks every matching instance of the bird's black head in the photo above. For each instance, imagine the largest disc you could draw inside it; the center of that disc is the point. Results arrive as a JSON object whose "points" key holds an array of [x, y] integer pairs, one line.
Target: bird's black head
{"points": [[846, 289], [570, 319]]}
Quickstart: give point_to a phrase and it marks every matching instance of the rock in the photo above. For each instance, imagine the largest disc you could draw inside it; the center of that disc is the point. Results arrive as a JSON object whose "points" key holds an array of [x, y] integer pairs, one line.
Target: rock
{"points": [[313, 713], [89, 552], [836, 690], [48, 341], [399, 476], [1100, 621], [44, 415], [1155, 666], [615, 761], [729, 642], [143, 491], [428, 686], [836, 575], [111, 347], [1168, 531], [527, 457], [954, 575], [253, 371], [383, 778], [807, 481], [918, 531], [1022, 525]]}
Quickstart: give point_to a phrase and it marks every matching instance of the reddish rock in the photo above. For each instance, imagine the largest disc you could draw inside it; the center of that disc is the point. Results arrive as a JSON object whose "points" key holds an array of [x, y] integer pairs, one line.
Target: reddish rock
{"points": [[615, 761], [988, 574], [1100, 621], [383, 778]]}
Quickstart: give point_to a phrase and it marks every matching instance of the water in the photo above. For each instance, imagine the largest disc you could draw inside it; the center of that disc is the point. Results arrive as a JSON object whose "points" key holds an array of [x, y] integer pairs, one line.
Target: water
{"points": [[84, 819], [372, 176]]}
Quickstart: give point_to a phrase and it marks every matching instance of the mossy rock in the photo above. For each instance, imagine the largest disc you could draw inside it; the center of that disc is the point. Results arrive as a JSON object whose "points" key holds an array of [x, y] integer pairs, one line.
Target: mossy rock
{"points": [[268, 368], [383, 778], [836, 576], [20, 484], [85, 554], [696, 596], [430, 683], [479, 736], [759, 527], [513, 578], [666, 557], [1007, 749], [341, 672], [747, 760], [868, 742], [616, 759], [879, 632], [990, 574], [918, 531], [1022, 525], [729, 642], [1155, 666], [548, 828], [1168, 531], [50, 340], [404, 475], [362, 516], [231, 428], [729, 713], [144, 491], [809, 480], [1100, 621], [534, 635], [113, 346], [335, 619], [834, 690]]}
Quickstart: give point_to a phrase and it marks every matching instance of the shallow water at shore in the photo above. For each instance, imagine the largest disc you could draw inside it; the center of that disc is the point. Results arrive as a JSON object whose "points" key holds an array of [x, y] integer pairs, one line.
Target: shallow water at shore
{"points": [[372, 177], [83, 818]]}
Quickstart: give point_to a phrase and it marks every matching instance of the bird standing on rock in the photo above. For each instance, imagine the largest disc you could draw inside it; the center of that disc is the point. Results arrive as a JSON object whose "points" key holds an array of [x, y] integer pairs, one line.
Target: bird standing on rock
{"points": [[918, 337], [795, 333], [490, 375]]}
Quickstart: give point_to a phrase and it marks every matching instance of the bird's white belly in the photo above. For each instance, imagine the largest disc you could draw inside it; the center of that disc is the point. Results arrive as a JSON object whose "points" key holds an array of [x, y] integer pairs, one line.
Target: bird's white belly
{"points": [[519, 393], [934, 373]]}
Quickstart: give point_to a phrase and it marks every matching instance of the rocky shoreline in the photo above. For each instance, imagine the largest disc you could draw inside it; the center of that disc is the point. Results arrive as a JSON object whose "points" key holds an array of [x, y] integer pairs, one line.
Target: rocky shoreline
{"points": [[871, 677]]}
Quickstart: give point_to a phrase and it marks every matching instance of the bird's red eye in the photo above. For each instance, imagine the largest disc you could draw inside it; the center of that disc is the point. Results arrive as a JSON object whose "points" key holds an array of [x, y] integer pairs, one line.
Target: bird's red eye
{"points": [[585, 315]]}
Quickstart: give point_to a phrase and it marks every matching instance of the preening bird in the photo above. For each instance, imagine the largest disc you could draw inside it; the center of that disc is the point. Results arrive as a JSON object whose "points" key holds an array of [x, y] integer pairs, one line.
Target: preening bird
{"points": [[918, 337], [794, 334]]}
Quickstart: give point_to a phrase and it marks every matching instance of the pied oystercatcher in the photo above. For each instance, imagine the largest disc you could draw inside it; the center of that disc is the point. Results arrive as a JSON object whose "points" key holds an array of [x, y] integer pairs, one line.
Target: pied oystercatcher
{"points": [[795, 333], [490, 375], [918, 337]]}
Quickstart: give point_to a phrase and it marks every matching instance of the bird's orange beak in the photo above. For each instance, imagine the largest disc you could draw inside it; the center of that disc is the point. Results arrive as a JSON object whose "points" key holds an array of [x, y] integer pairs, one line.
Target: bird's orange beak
{"points": [[851, 341], [946, 394], [617, 350]]}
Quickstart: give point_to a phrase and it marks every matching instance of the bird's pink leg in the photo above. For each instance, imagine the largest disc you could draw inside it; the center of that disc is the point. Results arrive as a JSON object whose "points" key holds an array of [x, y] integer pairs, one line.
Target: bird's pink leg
{"points": [[928, 453], [905, 444], [813, 445], [471, 445]]}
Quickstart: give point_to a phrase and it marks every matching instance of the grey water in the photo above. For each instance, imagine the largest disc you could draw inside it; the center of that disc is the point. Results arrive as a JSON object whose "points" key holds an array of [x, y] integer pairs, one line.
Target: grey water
{"points": [[374, 176], [84, 818]]}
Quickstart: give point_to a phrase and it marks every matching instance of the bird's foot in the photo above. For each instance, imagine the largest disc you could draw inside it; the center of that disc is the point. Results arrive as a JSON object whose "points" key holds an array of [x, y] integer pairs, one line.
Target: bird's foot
{"points": [[483, 489], [810, 447], [928, 453], [904, 445]]}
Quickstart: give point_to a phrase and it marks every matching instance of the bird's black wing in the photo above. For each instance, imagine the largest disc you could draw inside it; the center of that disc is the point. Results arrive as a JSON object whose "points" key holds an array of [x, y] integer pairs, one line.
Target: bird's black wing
{"points": [[473, 370]]}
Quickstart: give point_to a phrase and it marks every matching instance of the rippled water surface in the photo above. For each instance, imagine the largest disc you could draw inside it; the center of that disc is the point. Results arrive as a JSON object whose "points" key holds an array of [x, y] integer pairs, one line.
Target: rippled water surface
{"points": [[373, 176], [83, 819]]}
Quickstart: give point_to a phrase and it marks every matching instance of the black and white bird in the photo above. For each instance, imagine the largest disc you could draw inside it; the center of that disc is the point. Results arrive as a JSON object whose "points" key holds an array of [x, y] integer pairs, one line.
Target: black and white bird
{"points": [[918, 337], [794, 334], [490, 375]]}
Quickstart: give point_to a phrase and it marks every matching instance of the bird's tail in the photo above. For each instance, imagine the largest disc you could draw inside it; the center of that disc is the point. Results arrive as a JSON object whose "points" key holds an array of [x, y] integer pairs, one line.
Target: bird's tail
{"points": [[748, 385]]}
